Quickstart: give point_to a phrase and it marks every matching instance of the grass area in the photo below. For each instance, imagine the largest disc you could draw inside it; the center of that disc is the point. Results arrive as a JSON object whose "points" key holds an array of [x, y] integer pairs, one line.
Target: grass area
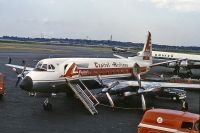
{"points": [[34, 46], [26, 47]]}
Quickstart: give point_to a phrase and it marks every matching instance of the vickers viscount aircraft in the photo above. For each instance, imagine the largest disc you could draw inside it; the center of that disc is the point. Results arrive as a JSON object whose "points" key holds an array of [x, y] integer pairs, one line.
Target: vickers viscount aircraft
{"points": [[49, 75], [192, 62]]}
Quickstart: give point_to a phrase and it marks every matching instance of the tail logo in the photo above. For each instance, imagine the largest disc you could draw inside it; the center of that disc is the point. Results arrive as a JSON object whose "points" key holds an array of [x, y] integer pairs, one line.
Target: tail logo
{"points": [[147, 49], [148, 43], [71, 70]]}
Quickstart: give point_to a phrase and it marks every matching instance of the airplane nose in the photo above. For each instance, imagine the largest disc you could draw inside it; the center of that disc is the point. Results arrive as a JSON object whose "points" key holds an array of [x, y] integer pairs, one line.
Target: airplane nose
{"points": [[26, 84]]}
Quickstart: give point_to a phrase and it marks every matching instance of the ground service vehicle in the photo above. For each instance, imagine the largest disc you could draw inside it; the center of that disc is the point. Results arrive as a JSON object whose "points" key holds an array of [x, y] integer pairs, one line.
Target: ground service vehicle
{"points": [[2, 87], [169, 121]]}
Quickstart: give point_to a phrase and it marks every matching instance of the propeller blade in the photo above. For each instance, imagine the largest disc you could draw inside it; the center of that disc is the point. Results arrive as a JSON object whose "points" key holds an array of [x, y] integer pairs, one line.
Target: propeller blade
{"points": [[113, 84], [22, 73], [136, 69], [18, 80], [100, 80], [136, 73], [24, 69], [139, 80], [143, 102], [110, 99]]}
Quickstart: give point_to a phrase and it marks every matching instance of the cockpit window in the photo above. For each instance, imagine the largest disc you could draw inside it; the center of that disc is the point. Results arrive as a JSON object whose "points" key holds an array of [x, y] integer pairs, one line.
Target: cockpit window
{"points": [[39, 64], [44, 66], [40, 67]]}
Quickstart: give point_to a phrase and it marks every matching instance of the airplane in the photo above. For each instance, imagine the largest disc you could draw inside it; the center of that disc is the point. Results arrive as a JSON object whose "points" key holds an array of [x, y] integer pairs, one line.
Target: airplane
{"points": [[192, 62], [119, 50], [49, 75]]}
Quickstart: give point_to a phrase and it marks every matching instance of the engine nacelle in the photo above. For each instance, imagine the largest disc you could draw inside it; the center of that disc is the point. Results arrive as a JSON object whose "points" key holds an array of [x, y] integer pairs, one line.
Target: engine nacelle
{"points": [[172, 64], [184, 63], [126, 94]]}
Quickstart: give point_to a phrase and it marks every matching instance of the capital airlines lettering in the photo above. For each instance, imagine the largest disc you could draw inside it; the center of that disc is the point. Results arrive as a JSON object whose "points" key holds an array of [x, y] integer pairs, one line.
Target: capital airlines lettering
{"points": [[107, 65]]}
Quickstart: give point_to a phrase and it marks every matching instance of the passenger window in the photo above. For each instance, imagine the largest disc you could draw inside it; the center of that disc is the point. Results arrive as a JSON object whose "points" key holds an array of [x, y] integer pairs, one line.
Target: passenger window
{"points": [[52, 66], [187, 125]]}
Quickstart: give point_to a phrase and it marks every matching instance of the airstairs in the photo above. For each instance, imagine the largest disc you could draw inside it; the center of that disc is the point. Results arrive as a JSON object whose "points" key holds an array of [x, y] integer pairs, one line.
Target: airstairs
{"points": [[84, 94]]}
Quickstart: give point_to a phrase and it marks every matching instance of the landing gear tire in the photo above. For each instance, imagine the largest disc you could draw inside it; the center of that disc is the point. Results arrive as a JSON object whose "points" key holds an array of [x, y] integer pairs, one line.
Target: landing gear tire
{"points": [[47, 106]]}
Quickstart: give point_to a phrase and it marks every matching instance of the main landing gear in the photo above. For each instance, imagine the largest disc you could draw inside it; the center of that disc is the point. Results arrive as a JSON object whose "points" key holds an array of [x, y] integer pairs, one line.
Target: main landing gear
{"points": [[47, 105]]}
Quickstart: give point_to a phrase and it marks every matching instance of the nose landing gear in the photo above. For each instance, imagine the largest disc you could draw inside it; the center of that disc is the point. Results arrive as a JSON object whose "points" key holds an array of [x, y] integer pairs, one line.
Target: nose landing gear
{"points": [[47, 106]]}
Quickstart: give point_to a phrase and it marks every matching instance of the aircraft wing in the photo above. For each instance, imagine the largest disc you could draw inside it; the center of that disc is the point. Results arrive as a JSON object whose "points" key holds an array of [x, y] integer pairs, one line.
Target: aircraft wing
{"points": [[19, 67], [165, 62], [180, 85], [149, 85]]}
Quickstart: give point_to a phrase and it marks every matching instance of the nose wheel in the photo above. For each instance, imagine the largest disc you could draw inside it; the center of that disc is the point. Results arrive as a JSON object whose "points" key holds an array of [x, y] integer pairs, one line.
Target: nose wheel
{"points": [[47, 106]]}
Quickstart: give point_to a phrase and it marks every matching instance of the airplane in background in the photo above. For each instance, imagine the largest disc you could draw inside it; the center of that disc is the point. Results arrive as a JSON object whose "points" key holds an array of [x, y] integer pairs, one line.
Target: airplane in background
{"points": [[119, 50], [192, 62], [49, 75]]}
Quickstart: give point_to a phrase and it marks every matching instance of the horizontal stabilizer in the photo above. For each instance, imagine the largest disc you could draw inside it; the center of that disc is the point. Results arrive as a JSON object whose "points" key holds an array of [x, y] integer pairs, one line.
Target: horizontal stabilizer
{"points": [[118, 56]]}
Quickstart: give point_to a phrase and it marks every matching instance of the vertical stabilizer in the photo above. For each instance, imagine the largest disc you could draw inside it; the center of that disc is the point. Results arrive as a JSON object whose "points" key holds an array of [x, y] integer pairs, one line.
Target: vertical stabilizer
{"points": [[146, 53], [147, 49]]}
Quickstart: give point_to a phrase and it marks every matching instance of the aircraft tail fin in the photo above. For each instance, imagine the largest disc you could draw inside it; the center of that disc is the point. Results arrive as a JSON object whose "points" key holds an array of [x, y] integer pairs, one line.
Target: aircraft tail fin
{"points": [[146, 53]]}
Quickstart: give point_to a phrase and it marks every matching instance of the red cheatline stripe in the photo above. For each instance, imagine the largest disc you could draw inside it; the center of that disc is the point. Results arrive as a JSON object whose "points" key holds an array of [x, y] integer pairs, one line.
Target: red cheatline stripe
{"points": [[101, 71]]}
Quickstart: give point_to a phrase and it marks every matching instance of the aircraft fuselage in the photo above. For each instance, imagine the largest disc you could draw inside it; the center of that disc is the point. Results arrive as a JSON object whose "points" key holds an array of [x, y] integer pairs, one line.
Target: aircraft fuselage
{"points": [[50, 75]]}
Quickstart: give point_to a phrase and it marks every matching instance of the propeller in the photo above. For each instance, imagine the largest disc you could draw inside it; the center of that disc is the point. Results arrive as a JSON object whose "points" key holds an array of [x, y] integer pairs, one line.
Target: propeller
{"points": [[20, 76], [107, 88], [141, 90]]}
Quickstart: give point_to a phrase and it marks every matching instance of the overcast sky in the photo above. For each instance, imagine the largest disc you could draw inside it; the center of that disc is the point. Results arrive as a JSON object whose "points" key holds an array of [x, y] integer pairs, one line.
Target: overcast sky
{"points": [[171, 22]]}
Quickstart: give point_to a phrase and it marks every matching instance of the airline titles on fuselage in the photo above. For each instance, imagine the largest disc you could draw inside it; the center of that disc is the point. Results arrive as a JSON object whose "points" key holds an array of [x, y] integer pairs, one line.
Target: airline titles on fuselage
{"points": [[110, 65]]}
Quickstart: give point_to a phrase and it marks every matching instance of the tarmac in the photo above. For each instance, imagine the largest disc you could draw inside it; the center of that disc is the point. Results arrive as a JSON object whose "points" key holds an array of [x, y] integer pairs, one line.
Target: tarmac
{"points": [[21, 113]]}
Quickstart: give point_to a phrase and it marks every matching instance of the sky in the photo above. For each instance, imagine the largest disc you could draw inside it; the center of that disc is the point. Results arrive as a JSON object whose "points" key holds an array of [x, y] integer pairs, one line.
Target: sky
{"points": [[171, 22]]}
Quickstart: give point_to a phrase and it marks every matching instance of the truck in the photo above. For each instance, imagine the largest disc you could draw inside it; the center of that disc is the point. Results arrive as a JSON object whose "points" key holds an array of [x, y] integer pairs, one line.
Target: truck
{"points": [[2, 85], [169, 121]]}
